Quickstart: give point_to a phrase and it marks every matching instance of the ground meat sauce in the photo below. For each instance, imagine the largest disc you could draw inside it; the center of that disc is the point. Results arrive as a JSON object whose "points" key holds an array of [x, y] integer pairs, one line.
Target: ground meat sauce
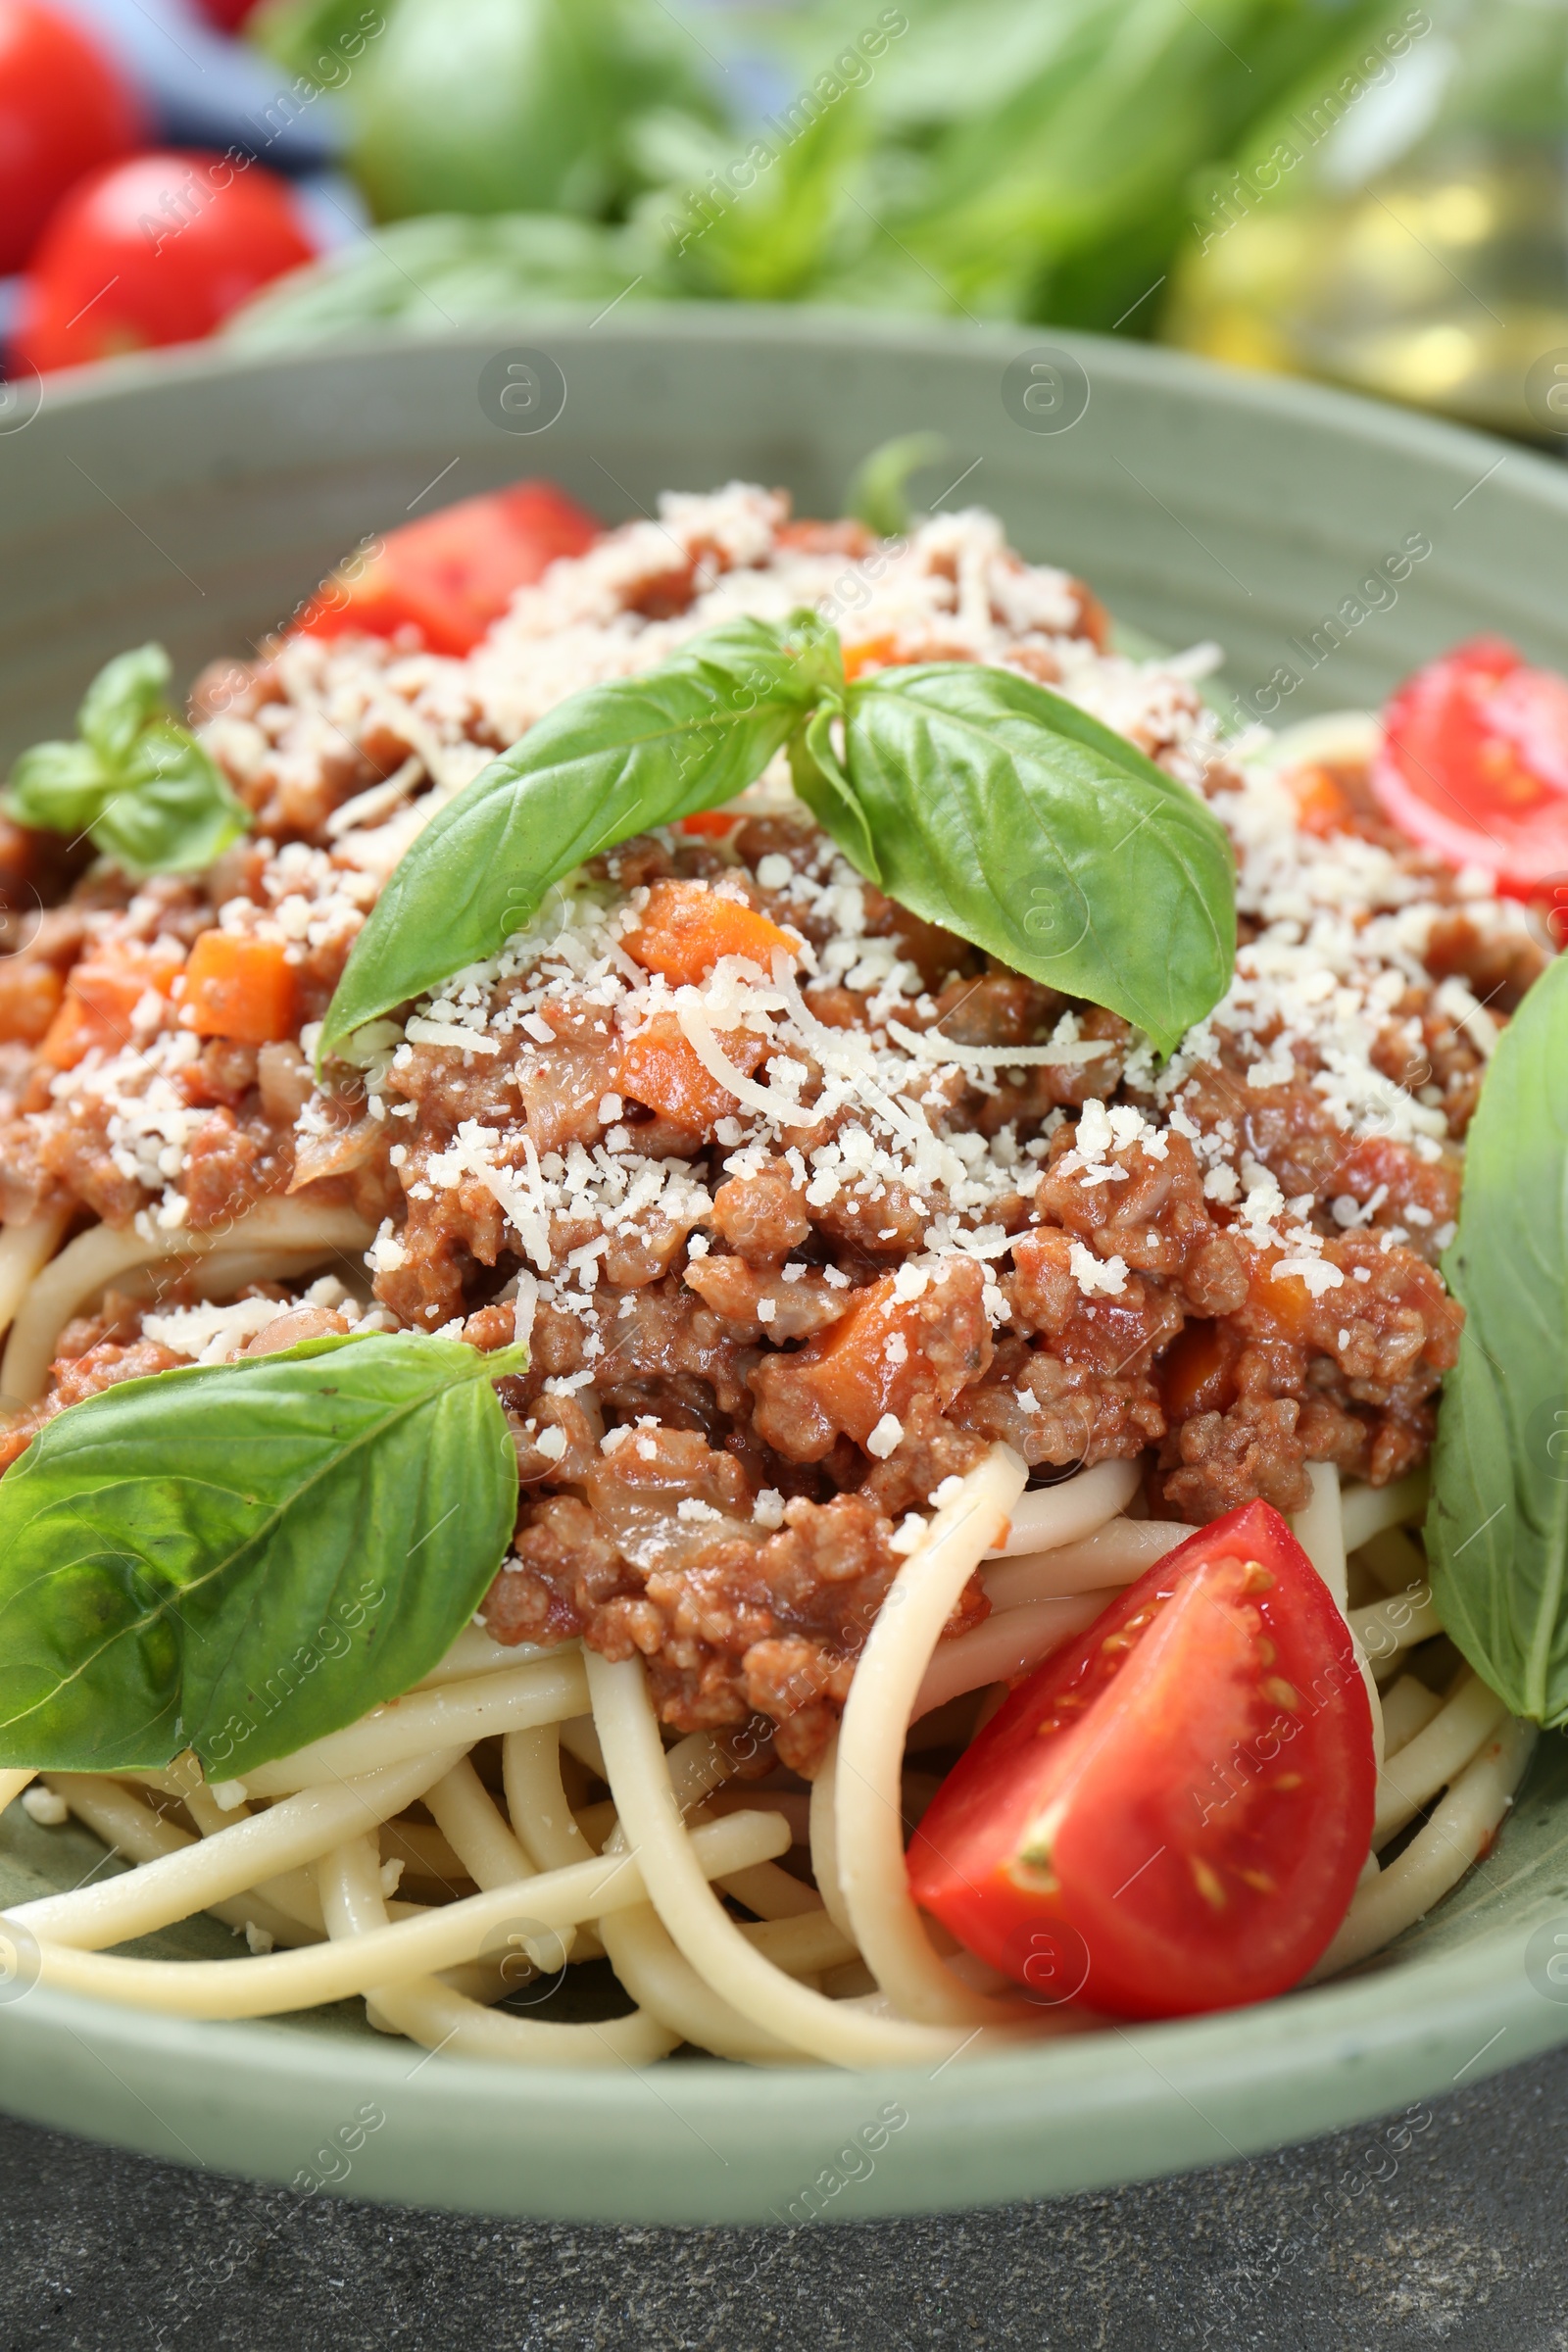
{"points": [[791, 1241]]}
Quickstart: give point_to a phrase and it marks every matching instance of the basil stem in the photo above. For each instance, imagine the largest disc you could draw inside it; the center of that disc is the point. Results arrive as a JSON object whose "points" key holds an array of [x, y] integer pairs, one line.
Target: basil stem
{"points": [[879, 494]]}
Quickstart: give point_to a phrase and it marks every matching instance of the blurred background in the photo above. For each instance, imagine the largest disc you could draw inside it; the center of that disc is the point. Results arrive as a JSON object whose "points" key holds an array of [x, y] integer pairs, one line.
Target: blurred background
{"points": [[1372, 194]]}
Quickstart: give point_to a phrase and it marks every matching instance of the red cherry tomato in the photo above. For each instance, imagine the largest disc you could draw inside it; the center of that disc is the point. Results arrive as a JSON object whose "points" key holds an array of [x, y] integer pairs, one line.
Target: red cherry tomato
{"points": [[159, 250], [64, 110], [1474, 763], [454, 572], [1171, 1813]]}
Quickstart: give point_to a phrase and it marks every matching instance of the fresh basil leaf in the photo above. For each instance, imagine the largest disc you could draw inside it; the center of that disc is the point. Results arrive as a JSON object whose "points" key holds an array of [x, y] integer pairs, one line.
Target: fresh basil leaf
{"points": [[1497, 1528], [1009, 815], [602, 765], [777, 242], [879, 494], [241, 1558], [58, 788], [173, 812], [138, 783], [126, 696]]}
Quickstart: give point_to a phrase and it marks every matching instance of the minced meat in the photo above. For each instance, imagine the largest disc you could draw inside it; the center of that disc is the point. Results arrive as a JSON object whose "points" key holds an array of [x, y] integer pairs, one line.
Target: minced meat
{"points": [[774, 1303]]}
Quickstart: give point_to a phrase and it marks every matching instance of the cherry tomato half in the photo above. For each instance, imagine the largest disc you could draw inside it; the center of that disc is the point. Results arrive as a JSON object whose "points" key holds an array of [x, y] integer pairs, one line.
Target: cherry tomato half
{"points": [[159, 250], [452, 573], [1171, 1813], [1474, 763], [64, 110]]}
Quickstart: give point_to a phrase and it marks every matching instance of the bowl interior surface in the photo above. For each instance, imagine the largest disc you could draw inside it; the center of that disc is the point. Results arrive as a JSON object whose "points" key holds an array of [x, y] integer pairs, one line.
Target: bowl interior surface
{"points": [[198, 501]]}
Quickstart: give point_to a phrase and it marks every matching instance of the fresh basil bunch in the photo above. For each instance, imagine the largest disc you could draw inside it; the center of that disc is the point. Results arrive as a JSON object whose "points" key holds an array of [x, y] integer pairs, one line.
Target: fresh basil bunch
{"points": [[241, 1558], [136, 782], [974, 797]]}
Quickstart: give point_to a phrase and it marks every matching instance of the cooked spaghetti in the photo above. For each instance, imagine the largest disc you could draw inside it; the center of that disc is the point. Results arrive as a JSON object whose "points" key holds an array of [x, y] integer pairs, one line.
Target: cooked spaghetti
{"points": [[888, 1313]]}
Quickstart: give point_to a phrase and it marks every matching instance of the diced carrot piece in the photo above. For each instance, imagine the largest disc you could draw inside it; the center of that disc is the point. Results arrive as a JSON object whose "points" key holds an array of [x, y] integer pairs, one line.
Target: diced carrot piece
{"points": [[711, 822], [686, 928], [854, 1372], [240, 987], [1279, 1305], [29, 997], [1320, 805], [659, 1069], [102, 998], [1197, 1373], [872, 653]]}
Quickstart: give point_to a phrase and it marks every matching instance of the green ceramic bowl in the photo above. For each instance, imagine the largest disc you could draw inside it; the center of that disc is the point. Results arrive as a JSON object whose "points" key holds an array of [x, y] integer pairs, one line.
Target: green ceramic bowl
{"points": [[197, 500]]}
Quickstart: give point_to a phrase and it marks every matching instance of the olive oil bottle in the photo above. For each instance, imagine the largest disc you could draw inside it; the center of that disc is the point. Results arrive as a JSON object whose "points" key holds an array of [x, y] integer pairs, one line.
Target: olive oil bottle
{"points": [[1402, 226]]}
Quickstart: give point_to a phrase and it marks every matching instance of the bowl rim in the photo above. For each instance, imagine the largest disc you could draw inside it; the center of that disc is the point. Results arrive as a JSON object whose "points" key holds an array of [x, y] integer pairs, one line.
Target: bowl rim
{"points": [[1291, 397], [712, 2143], [595, 2146]]}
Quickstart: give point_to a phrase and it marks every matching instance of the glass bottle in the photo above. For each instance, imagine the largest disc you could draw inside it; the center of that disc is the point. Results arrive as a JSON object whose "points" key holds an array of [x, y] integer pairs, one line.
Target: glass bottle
{"points": [[1402, 226]]}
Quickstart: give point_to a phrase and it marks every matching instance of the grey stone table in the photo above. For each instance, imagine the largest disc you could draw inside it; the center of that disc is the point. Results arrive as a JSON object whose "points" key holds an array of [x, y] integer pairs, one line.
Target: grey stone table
{"points": [[1444, 2228]]}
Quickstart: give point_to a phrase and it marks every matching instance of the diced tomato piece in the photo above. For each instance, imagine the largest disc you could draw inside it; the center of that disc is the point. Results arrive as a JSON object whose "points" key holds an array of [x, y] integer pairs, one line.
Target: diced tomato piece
{"points": [[31, 995], [660, 1070], [452, 573], [240, 987], [686, 928], [103, 996], [715, 825], [1474, 764], [1171, 1813]]}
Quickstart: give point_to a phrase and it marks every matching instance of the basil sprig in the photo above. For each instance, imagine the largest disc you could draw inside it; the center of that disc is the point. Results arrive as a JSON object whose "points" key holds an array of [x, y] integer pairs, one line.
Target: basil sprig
{"points": [[243, 1557], [974, 797], [1496, 1530], [602, 765], [879, 493], [136, 782]]}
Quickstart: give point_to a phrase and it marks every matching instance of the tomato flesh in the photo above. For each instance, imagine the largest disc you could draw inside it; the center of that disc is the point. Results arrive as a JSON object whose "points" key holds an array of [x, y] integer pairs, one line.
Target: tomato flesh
{"points": [[452, 573], [1170, 1815], [1474, 764]]}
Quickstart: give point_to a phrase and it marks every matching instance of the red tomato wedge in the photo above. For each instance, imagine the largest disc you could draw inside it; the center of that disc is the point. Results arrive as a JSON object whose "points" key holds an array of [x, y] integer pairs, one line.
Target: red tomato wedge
{"points": [[1474, 764], [452, 573], [1171, 1813]]}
